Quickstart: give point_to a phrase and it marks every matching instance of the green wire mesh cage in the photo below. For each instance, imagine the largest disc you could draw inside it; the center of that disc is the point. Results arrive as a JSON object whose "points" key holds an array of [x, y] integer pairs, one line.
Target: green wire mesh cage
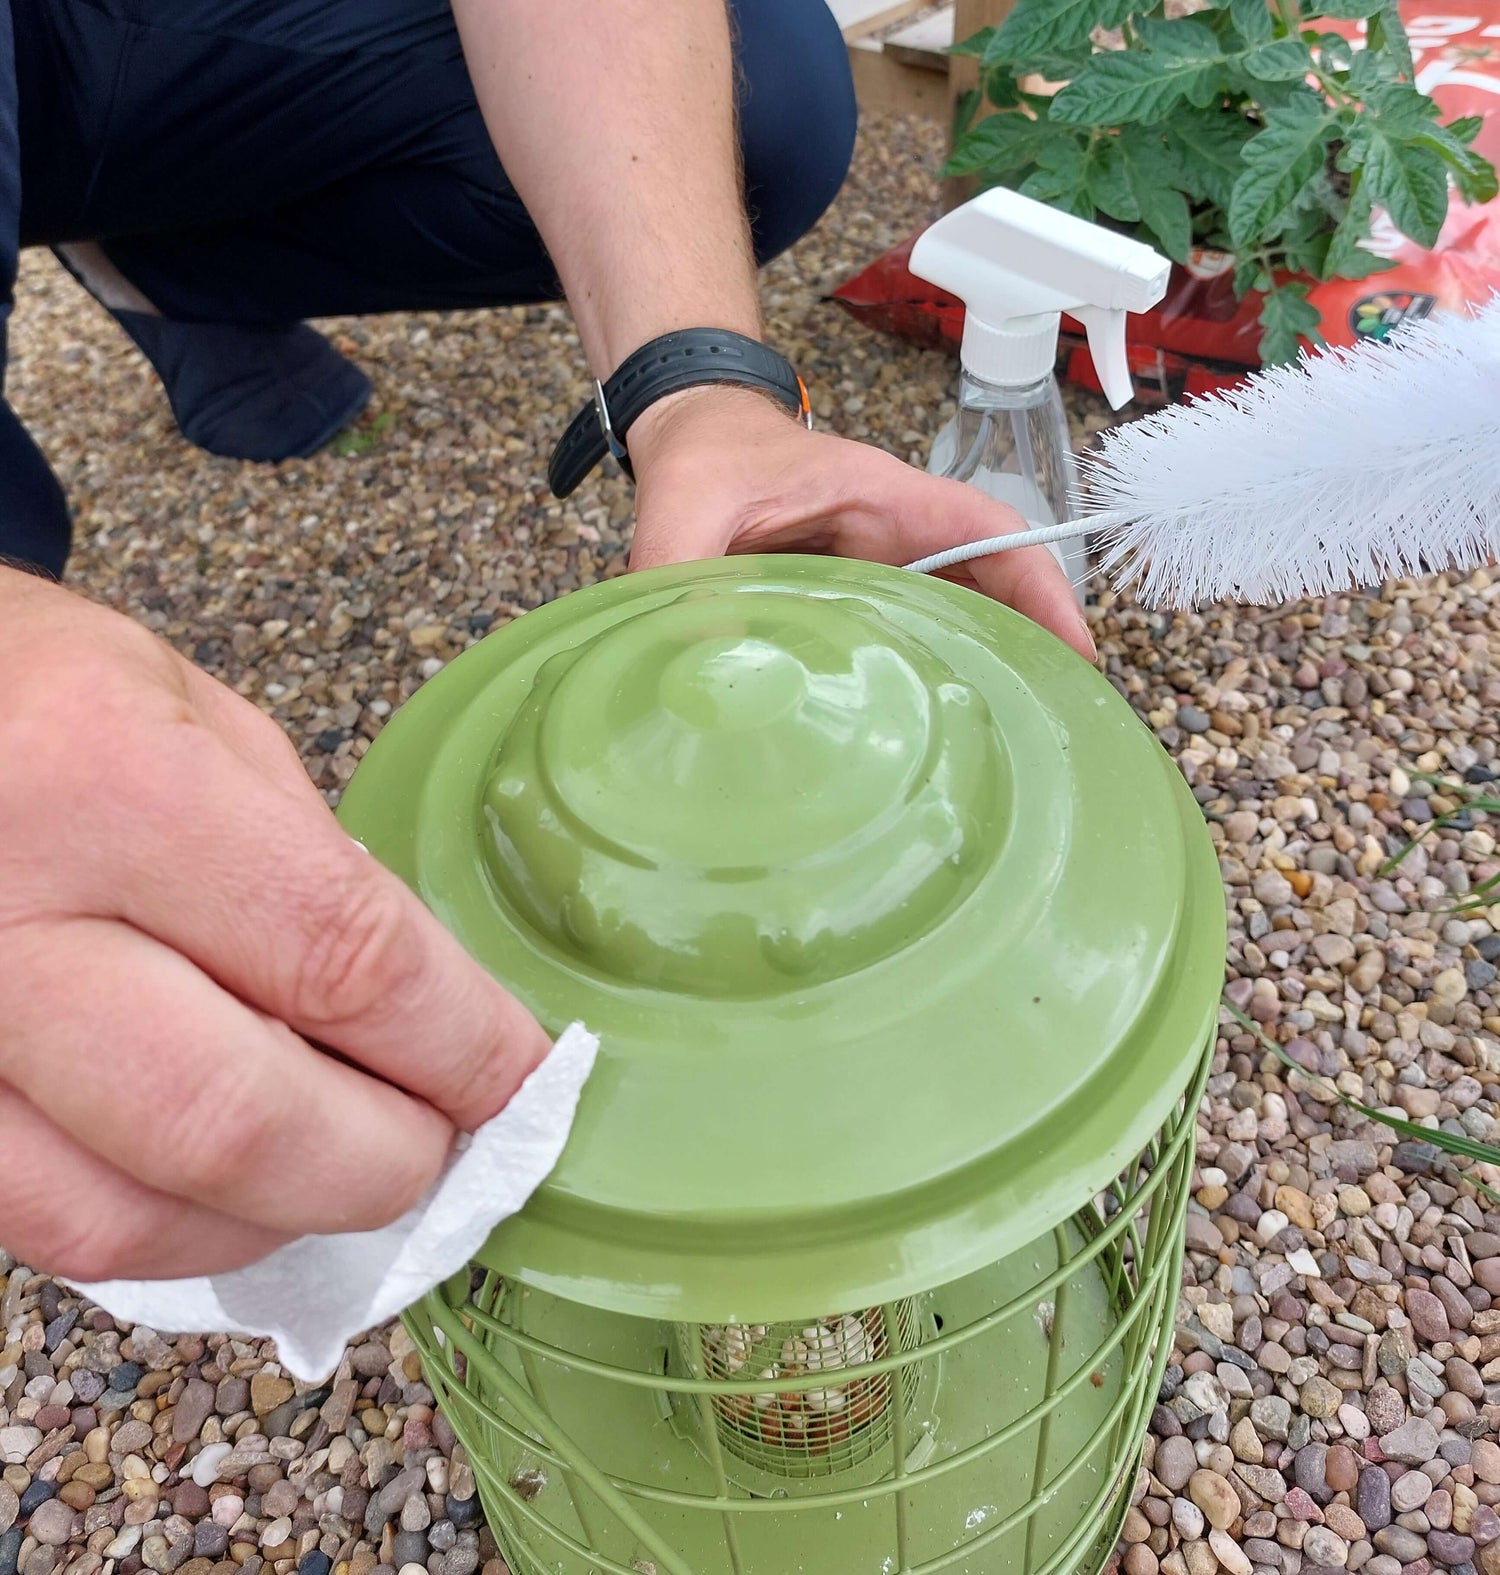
{"points": [[993, 1424], [903, 940]]}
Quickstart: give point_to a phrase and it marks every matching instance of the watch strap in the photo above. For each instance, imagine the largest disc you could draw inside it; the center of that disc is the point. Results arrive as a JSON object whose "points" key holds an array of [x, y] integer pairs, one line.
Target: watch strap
{"points": [[686, 358]]}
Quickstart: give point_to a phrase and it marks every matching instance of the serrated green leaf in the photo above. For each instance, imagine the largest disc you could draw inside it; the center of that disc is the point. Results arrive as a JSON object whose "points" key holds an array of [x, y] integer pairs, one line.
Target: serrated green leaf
{"points": [[1402, 110], [1346, 10], [975, 44], [1108, 183], [1465, 128], [1386, 35], [1060, 67], [1410, 182], [1278, 161], [1335, 52], [1038, 28], [1055, 65], [1002, 144], [1270, 95], [1130, 177], [1287, 317], [1051, 187], [1252, 20], [1344, 249], [1122, 86], [1370, 70], [1308, 253], [1169, 34], [1317, 206], [1207, 147], [1000, 86], [1347, 258], [1167, 216], [1356, 263], [1061, 178], [1284, 60], [1472, 175], [1480, 187], [1183, 61], [1248, 275]]}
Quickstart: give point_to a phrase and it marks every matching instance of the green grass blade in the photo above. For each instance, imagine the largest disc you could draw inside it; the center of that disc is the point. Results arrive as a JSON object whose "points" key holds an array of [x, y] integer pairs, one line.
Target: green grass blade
{"points": [[354, 441], [1458, 1145], [1395, 859], [1469, 806], [1478, 897]]}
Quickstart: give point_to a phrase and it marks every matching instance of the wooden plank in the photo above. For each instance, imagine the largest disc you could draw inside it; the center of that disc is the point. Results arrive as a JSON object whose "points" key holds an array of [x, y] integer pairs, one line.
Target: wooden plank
{"points": [[925, 42], [862, 20], [883, 83], [963, 75], [851, 14]]}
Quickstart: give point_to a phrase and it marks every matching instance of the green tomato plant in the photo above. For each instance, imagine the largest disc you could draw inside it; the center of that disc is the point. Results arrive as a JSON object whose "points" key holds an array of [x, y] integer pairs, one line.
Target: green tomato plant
{"points": [[1243, 127]]}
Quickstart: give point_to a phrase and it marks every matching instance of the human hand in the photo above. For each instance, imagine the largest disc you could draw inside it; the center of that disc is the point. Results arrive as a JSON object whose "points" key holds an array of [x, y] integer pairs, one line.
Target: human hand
{"points": [[183, 928], [723, 470]]}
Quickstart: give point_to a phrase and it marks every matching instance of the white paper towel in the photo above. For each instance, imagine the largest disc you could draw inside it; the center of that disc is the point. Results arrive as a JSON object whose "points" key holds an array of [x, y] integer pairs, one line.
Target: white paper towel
{"points": [[314, 1294]]}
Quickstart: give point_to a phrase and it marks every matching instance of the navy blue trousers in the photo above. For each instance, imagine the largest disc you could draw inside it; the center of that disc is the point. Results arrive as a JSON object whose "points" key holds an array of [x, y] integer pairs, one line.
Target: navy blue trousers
{"points": [[265, 161]]}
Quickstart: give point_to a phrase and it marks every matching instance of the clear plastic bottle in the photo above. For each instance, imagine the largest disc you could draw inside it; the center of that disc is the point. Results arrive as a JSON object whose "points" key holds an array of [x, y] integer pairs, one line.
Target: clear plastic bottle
{"points": [[1017, 265], [1013, 444]]}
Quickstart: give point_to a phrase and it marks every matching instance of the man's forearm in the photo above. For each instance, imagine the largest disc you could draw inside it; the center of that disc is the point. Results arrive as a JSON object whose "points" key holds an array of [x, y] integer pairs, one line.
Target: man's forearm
{"points": [[615, 122]]}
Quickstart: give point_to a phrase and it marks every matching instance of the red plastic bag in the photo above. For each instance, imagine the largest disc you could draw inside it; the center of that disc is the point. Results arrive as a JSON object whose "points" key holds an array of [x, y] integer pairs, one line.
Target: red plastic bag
{"points": [[1199, 337]]}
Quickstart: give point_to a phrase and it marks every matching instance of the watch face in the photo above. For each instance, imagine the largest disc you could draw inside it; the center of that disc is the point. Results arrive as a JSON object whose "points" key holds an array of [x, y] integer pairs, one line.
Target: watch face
{"points": [[1374, 316]]}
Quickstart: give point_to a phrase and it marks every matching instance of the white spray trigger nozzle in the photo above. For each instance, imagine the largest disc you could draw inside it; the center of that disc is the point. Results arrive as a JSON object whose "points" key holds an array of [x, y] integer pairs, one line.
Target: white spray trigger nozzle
{"points": [[1105, 326], [1014, 262]]}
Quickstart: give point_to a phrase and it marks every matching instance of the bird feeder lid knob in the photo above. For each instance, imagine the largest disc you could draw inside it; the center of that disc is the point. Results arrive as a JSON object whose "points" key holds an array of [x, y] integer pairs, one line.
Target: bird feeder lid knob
{"points": [[897, 927], [741, 797]]}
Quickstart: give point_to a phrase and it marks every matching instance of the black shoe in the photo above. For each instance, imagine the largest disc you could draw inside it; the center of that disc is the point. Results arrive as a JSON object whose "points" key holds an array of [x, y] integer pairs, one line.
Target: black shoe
{"points": [[251, 393], [246, 392]]}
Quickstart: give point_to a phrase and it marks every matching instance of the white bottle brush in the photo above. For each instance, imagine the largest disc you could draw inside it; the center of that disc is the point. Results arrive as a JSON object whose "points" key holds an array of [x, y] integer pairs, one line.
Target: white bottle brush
{"points": [[1017, 265], [1354, 466]]}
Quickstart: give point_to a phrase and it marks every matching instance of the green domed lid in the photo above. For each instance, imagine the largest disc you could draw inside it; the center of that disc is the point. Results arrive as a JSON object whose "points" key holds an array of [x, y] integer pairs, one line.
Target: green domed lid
{"points": [[901, 933]]}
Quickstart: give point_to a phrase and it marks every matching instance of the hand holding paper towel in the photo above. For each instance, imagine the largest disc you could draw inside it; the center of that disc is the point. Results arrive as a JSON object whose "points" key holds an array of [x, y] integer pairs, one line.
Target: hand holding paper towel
{"points": [[314, 1294]]}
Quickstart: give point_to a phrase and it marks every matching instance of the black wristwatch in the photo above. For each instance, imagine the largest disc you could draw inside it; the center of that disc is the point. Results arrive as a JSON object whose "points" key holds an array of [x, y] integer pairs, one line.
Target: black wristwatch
{"points": [[684, 359]]}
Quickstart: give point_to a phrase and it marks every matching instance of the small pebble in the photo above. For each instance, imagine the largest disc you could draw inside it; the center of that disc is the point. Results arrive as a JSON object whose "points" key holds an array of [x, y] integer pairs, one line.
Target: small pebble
{"points": [[463, 1511], [35, 1496], [125, 1376], [410, 1547], [51, 1522]]}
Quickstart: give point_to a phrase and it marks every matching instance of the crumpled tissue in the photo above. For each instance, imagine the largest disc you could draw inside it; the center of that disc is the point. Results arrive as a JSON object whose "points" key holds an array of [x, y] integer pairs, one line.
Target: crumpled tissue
{"points": [[313, 1295]]}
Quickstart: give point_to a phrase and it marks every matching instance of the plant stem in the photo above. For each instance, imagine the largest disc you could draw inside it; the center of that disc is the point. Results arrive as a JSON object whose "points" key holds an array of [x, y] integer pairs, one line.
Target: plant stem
{"points": [[1263, 256], [1288, 15]]}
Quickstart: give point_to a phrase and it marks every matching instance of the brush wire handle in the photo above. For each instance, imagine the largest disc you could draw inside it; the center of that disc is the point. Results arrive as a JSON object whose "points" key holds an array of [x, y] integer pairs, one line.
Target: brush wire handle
{"points": [[1037, 536]]}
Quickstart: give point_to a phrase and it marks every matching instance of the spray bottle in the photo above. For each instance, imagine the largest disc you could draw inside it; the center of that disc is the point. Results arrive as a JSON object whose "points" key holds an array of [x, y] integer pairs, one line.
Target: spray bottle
{"points": [[1017, 264]]}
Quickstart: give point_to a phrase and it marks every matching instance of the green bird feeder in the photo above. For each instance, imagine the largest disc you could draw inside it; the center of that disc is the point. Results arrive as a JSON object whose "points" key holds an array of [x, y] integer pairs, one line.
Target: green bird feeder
{"points": [[904, 941]]}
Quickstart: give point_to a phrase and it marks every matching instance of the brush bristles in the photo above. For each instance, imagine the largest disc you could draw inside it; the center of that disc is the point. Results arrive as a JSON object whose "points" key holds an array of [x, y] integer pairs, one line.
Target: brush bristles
{"points": [[1352, 467]]}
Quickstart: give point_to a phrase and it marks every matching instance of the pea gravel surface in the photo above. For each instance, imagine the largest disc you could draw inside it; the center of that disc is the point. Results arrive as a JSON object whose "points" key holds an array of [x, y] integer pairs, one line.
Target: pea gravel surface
{"points": [[1334, 1392]]}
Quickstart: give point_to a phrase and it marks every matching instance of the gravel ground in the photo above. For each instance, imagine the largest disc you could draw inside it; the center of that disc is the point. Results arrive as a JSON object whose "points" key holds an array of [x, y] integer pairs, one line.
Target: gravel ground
{"points": [[1335, 1390]]}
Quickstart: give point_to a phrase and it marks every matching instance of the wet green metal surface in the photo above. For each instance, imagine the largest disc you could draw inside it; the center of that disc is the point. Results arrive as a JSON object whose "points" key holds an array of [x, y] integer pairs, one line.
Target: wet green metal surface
{"points": [[901, 932]]}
